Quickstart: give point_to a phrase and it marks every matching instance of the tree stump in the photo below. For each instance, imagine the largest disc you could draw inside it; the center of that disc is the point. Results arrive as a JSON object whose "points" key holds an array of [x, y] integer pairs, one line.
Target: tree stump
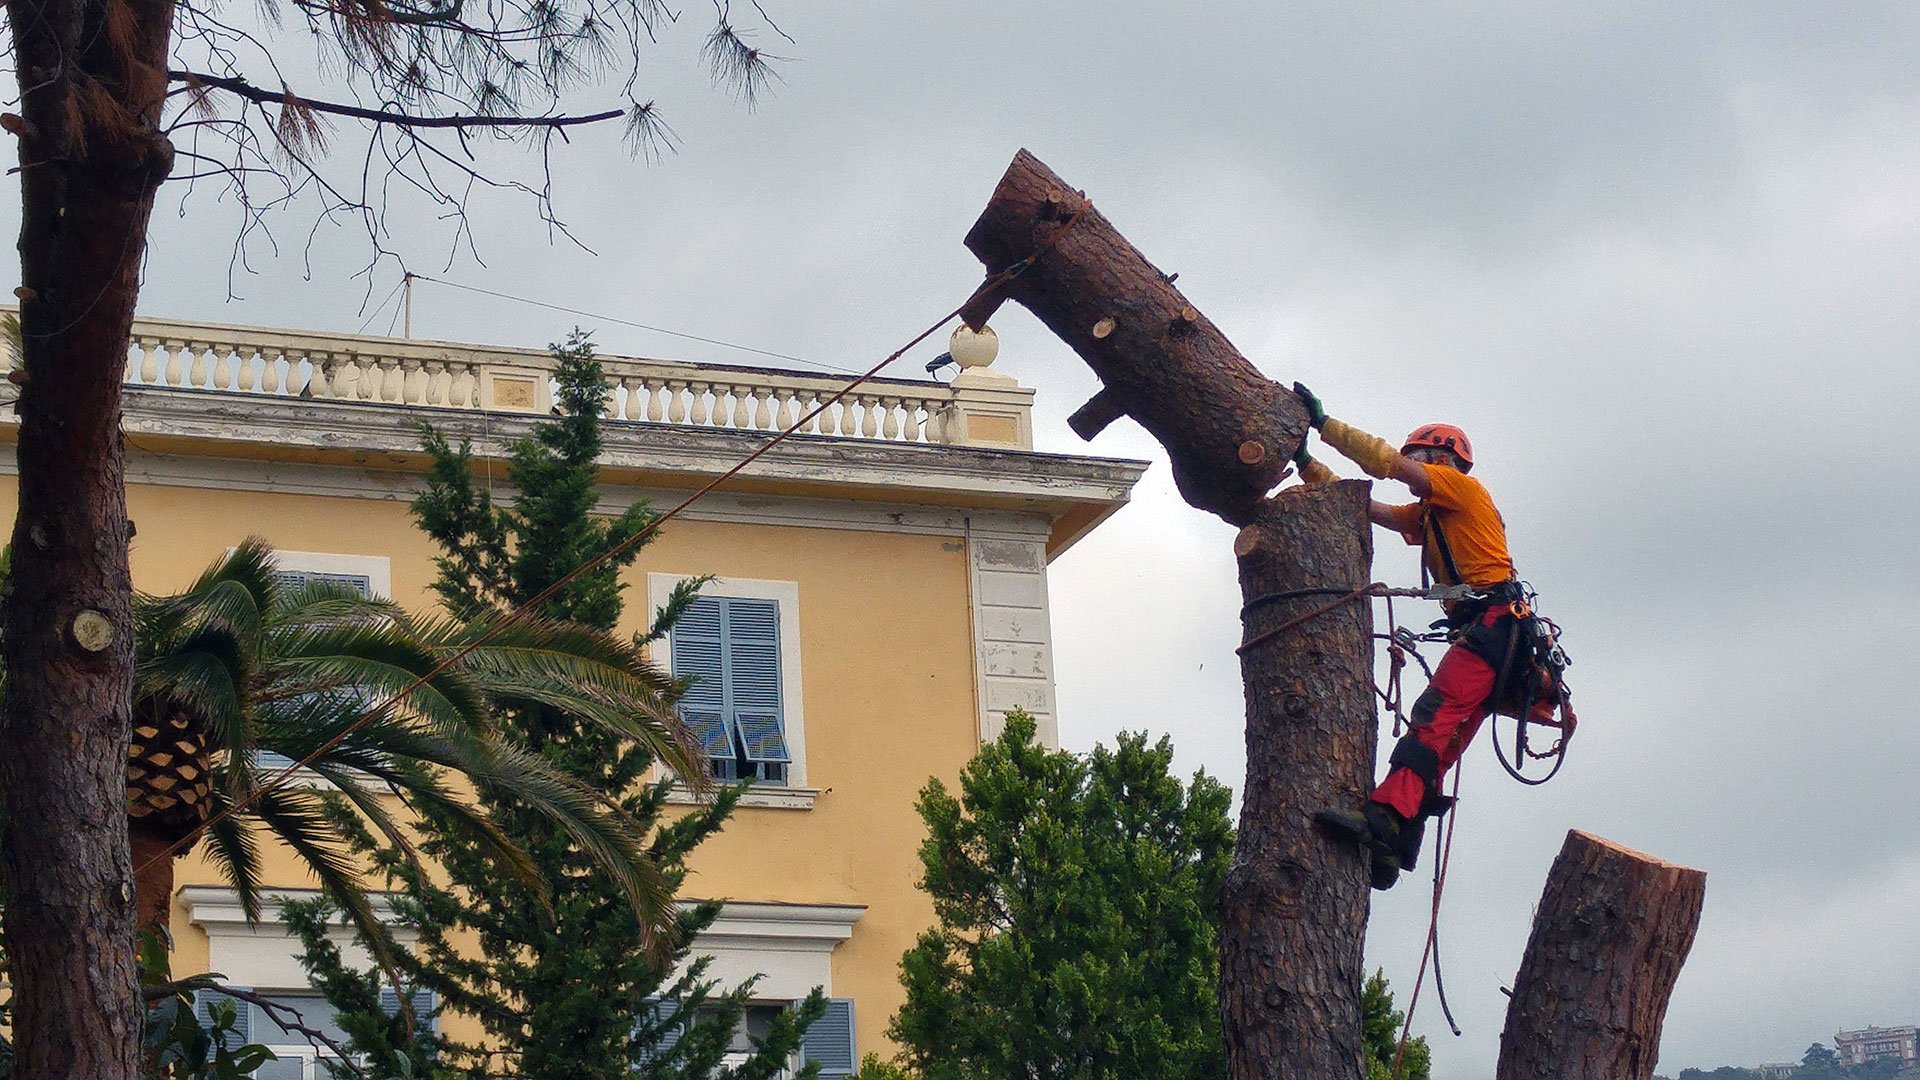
{"points": [[1613, 929], [1293, 909]]}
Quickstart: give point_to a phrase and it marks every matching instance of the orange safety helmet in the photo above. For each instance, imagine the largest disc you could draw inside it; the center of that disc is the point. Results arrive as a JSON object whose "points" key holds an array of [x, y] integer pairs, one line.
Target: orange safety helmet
{"points": [[1444, 436]]}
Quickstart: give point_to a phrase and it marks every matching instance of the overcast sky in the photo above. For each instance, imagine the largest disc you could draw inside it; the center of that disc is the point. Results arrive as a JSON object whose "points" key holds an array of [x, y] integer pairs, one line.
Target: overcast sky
{"points": [[1659, 260]]}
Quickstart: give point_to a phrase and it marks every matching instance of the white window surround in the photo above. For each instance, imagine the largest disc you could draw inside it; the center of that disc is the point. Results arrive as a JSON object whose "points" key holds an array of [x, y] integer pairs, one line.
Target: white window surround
{"points": [[790, 946], [795, 794], [265, 955], [377, 569]]}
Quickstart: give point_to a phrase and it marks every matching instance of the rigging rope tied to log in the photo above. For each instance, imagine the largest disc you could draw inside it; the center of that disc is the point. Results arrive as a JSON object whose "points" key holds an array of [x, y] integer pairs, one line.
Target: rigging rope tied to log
{"points": [[993, 283]]}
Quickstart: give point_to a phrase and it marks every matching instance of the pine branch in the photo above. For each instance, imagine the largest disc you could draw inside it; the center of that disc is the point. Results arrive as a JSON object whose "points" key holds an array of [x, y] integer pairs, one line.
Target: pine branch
{"points": [[260, 95]]}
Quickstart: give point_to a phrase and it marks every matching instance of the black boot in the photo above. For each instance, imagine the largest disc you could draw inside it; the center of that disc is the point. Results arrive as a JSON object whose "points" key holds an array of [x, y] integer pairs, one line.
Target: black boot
{"points": [[1379, 828]]}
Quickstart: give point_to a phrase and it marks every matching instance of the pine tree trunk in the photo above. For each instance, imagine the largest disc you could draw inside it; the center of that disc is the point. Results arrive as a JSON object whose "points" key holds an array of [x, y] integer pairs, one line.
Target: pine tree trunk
{"points": [[1294, 906], [1612, 930], [1228, 429], [92, 82]]}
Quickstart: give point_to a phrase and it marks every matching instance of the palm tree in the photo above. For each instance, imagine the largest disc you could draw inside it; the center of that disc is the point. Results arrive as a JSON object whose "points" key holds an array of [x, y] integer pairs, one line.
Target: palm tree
{"points": [[239, 665]]}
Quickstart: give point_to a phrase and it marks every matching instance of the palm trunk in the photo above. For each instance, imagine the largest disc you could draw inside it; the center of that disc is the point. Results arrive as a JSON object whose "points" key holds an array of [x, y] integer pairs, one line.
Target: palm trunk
{"points": [[92, 78], [152, 878]]}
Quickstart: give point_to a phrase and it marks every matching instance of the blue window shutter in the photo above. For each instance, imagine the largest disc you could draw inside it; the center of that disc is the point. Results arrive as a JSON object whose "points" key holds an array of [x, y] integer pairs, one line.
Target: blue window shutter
{"points": [[656, 1013], [698, 646], [829, 1041], [753, 677], [424, 1003], [241, 1033], [294, 579]]}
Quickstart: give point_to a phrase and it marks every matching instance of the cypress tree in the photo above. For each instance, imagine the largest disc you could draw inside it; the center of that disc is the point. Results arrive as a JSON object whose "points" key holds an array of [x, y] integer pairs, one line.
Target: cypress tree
{"points": [[563, 976]]}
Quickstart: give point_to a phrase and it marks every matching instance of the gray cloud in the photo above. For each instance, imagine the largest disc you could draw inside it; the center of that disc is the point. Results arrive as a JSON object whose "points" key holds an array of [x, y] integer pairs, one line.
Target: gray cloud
{"points": [[1661, 262]]}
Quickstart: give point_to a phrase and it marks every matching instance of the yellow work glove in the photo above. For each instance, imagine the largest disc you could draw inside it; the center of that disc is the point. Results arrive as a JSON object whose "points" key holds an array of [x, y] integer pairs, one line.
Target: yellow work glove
{"points": [[1316, 472], [1375, 455]]}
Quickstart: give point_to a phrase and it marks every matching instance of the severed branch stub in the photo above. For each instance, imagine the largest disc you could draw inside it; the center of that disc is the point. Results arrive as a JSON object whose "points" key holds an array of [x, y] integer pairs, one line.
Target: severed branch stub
{"points": [[1613, 928], [1161, 361]]}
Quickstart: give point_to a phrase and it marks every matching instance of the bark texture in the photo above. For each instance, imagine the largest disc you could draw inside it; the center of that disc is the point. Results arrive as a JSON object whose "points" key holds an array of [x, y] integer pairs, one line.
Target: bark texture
{"points": [[1613, 928], [93, 79], [1162, 362], [1294, 906]]}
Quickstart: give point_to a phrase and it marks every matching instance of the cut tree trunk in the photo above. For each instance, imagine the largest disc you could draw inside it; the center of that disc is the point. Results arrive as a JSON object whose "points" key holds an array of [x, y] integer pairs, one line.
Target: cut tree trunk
{"points": [[1293, 911], [1228, 429], [1294, 906], [93, 80], [1613, 928]]}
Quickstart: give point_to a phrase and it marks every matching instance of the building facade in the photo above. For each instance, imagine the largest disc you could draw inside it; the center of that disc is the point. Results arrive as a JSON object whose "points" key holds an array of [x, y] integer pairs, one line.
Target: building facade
{"points": [[1901, 1044], [880, 599]]}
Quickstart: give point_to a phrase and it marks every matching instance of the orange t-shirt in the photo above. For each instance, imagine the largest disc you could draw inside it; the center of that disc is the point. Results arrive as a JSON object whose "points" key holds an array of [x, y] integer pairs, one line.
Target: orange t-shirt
{"points": [[1477, 536]]}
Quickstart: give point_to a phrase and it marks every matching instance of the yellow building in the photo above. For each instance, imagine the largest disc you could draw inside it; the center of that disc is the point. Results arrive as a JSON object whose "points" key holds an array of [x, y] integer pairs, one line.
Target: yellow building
{"points": [[892, 559]]}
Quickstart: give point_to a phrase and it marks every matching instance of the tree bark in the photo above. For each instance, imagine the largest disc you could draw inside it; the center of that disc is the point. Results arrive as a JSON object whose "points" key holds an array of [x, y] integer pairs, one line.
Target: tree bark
{"points": [[1228, 430], [152, 878], [1613, 928], [1293, 911], [1294, 906], [93, 81]]}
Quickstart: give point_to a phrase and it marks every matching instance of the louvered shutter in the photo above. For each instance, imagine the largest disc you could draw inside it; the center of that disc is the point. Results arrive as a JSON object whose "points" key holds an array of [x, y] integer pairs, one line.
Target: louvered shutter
{"points": [[753, 677], [664, 1038], [699, 653], [423, 1005], [293, 579], [829, 1040], [242, 1031]]}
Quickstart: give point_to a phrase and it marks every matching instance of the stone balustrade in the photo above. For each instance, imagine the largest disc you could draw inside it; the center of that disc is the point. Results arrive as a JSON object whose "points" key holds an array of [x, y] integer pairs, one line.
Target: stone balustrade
{"points": [[980, 408]]}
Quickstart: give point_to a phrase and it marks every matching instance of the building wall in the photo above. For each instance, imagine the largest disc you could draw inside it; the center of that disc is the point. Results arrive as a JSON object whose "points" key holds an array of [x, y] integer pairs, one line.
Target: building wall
{"points": [[887, 654]]}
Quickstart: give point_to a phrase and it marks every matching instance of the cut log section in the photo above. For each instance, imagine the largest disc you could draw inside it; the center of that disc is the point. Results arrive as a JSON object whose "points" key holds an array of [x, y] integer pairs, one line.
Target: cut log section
{"points": [[1613, 929], [1162, 362]]}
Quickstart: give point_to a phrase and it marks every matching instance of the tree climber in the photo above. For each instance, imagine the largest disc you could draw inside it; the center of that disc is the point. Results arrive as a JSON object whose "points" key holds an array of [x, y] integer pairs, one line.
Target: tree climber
{"points": [[1463, 544]]}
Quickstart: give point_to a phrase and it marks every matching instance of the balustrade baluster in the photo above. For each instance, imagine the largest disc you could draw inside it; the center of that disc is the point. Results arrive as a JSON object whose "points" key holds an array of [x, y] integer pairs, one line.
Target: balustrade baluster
{"points": [[890, 421], [762, 407], [910, 423], [870, 419], [676, 403], [134, 354], [697, 408], [435, 390], [320, 375], [222, 356], [197, 369], [462, 386], [657, 390], [149, 360], [413, 382]]}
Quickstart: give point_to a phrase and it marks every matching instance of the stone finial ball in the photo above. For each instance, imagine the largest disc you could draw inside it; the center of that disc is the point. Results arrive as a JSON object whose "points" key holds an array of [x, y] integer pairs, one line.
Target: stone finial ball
{"points": [[971, 349]]}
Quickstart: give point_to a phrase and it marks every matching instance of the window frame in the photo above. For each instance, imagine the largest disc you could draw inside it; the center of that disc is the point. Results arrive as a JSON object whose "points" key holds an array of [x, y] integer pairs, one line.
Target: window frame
{"points": [[786, 595]]}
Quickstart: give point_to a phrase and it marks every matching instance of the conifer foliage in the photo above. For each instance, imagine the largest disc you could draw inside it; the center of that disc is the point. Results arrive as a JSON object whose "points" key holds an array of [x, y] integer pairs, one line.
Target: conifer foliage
{"points": [[568, 980], [1078, 934]]}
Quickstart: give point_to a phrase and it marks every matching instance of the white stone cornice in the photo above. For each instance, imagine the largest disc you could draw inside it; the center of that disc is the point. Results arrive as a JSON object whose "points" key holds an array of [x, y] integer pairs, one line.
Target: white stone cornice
{"points": [[386, 437]]}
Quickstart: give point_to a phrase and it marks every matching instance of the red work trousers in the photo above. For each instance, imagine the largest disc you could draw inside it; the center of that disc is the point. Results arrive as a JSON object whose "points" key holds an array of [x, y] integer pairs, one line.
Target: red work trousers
{"points": [[1445, 719]]}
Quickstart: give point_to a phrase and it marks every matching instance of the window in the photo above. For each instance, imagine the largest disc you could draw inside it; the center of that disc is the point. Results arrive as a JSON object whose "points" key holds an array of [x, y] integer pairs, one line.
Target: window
{"points": [[827, 1041], [730, 647], [369, 575], [293, 579], [296, 1057]]}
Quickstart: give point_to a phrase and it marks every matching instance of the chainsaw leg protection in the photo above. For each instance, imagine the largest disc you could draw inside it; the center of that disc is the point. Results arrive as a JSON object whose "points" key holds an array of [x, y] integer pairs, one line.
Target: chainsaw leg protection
{"points": [[1445, 718]]}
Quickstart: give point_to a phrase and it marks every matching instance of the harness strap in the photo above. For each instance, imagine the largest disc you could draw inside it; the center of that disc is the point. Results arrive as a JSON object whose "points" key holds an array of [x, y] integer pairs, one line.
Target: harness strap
{"points": [[1439, 541]]}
